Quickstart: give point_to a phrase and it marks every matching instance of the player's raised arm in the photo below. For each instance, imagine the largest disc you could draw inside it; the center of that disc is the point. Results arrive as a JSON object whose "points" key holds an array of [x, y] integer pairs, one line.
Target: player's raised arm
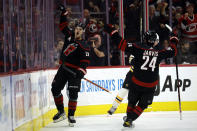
{"points": [[64, 22], [172, 51], [117, 39]]}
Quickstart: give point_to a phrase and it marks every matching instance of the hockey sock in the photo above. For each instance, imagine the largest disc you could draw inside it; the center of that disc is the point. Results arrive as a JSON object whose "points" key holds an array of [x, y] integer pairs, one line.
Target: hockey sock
{"points": [[134, 112], [59, 102], [72, 105], [120, 96]]}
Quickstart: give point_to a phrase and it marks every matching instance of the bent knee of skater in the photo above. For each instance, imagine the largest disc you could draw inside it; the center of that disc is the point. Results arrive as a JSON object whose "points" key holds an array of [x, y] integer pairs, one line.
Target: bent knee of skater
{"points": [[73, 95]]}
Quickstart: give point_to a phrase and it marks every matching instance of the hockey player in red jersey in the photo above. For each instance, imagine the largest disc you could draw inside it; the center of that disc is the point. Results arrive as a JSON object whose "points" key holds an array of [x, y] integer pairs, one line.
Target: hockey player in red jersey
{"points": [[74, 58], [146, 69]]}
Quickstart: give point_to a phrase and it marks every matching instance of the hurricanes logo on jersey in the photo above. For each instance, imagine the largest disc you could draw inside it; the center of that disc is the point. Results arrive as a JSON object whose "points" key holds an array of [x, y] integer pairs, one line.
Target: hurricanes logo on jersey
{"points": [[70, 48]]}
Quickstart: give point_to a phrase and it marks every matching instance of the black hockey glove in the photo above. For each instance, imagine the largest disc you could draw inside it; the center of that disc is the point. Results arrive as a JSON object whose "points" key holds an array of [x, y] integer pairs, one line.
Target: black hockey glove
{"points": [[109, 28], [61, 8], [80, 74], [174, 40]]}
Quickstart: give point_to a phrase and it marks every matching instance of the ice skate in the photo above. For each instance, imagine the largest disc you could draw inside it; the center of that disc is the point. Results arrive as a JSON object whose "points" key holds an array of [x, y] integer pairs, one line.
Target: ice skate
{"points": [[112, 110], [59, 117], [71, 121], [128, 123]]}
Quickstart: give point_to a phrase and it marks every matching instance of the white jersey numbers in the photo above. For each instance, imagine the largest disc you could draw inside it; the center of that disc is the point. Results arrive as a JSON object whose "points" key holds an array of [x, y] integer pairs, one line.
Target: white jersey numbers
{"points": [[146, 58], [149, 63]]}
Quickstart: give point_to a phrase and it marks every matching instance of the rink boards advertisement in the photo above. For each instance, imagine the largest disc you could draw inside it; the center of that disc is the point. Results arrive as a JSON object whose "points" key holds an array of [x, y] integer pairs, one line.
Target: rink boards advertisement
{"points": [[112, 79], [26, 101], [5, 104]]}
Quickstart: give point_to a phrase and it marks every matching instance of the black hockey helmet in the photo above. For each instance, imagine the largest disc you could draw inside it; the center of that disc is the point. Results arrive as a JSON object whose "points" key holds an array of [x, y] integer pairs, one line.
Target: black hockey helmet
{"points": [[150, 38]]}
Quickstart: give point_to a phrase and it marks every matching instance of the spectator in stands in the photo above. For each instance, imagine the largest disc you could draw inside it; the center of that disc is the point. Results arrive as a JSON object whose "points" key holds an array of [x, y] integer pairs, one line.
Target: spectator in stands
{"points": [[186, 23], [189, 31], [86, 14], [92, 7], [74, 4], [161, 6], [69, 13], [1, 57], [157, 22], [97, 50], [176, 21], [153, 19], [132, 20], [57, 52], [18, 58], [179, 9], [113, 12], [184, 53], [166, 46], [2, 63]]}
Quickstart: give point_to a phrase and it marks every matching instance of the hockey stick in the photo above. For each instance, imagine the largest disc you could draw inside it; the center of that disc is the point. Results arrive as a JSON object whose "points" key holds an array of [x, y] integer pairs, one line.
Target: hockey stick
{"points": [[178, 86], [74, 74], [97, 85], [177, 75]]}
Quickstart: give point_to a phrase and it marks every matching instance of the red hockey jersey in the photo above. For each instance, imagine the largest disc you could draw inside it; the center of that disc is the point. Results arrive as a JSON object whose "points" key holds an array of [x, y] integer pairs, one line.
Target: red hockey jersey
{"points": [[189, 27]]}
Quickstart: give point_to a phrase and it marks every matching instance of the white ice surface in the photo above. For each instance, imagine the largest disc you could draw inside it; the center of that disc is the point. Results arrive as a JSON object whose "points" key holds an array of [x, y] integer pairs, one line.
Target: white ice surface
{"points": [[148, 121]]}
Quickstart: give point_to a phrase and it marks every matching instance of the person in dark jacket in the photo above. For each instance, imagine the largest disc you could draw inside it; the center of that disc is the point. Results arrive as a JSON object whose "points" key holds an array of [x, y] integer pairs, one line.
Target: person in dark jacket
{"points": [[74, 60]]}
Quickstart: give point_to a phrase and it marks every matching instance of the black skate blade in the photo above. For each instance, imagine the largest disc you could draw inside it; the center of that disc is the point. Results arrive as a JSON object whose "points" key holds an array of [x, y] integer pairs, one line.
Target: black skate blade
{"points": [[128, 128]]}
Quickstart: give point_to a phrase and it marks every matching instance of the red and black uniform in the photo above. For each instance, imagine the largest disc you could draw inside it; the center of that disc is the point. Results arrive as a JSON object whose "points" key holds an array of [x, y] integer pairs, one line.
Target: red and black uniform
{"points": [[189, 27], [145, 72], [75, 57]]}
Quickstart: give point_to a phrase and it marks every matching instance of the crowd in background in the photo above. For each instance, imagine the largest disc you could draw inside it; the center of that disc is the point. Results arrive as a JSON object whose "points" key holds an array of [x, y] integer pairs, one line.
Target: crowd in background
{"points": [[39, 28], [183, 21]]}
